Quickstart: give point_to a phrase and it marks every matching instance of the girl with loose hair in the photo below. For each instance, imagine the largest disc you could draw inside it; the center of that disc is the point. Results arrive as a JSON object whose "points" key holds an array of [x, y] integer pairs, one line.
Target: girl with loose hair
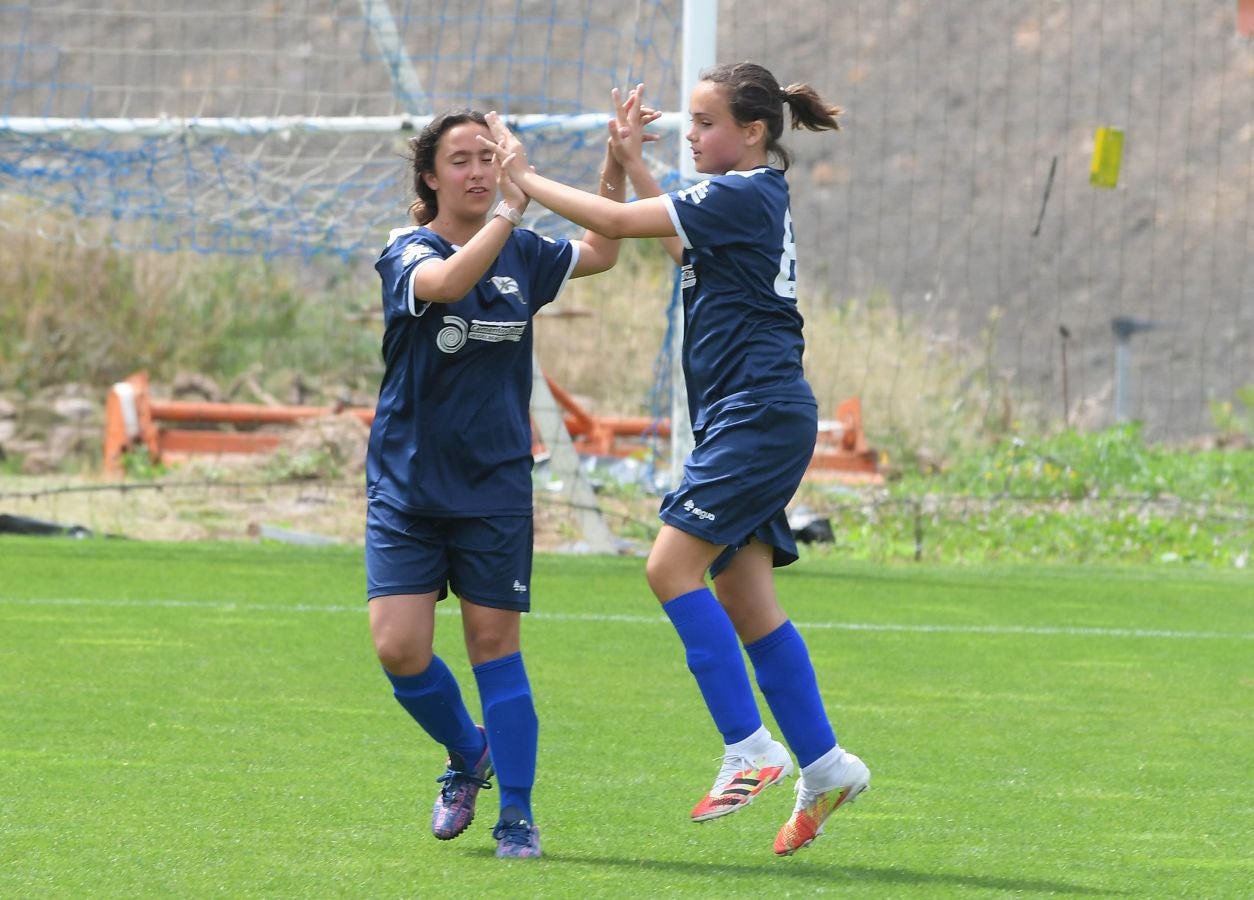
{"points": [[754, 418], [448, 470]]}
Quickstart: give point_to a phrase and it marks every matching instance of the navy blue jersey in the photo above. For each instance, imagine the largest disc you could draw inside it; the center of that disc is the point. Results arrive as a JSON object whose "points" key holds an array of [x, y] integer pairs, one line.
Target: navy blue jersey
{"points": [[452, 429], [742, 329]]}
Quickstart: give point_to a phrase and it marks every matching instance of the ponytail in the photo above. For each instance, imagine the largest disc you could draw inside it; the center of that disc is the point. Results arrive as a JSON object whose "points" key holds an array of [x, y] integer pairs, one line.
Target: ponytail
{"points": [[809, 110], [753, 94]]}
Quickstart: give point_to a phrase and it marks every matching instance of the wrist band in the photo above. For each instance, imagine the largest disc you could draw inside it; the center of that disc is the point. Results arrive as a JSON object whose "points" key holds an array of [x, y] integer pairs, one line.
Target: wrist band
{"points": [[507, 212]]}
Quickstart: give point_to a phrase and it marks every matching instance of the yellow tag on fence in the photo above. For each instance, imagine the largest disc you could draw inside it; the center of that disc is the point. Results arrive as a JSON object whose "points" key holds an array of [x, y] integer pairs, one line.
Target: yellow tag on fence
{"points": [[1107, 154]]}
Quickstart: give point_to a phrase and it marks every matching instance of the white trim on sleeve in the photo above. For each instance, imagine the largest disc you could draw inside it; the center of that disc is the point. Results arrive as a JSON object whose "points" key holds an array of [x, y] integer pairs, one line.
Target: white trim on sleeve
{"points": [[679, 228], [410, 299], [570, 270]]}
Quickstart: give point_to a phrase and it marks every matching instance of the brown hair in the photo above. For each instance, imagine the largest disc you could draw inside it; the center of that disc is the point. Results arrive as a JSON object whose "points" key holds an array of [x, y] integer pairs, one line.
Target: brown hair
{"points": [[753, 94], [422, 151]]}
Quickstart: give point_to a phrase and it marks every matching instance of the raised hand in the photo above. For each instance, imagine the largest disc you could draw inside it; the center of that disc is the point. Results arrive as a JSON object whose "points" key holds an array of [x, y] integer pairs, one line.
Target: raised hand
{"points": [[511, 155], [627, 134], [648, 115], [511, 193]]}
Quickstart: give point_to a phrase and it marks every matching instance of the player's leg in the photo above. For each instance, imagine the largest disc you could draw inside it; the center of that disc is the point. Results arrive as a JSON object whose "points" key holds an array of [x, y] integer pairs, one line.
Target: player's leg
{"points": [[830, 776], [492, 576], [676, 570], [509, 717], [406, 574], [402, 627], [781, 662]]}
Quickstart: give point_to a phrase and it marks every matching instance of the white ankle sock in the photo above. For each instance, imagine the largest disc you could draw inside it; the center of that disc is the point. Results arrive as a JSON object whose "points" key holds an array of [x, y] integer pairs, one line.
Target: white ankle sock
{"points": [[822, 770], [754, 744]]}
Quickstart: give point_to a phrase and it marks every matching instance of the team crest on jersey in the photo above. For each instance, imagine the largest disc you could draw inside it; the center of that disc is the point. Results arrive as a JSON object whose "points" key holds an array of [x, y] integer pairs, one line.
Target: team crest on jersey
{"points": [[414, 252], [507, 285]]}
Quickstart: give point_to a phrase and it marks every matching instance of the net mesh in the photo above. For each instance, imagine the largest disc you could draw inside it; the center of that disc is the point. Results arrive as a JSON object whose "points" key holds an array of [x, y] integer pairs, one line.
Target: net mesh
{"points": [[280, 128]]}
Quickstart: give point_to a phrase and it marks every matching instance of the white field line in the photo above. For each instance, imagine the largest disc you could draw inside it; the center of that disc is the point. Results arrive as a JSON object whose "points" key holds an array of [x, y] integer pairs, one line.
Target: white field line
{"points": [[227, 606]]}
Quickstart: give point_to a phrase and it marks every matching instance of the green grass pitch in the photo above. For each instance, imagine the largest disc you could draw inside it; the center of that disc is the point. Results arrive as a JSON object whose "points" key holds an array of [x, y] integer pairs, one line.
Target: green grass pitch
{"points": [[196, 720]]}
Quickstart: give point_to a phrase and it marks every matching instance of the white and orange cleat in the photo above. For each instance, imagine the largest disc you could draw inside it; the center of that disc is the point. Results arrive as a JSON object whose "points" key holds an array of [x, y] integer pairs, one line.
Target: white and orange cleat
{"points": [[835, 782], [741, 779]]}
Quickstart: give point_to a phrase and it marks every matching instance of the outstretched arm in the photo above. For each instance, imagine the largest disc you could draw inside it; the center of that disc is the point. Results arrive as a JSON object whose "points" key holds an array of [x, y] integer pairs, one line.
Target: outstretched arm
{"points": [[597, 253], [627, 144], [643, 218]]}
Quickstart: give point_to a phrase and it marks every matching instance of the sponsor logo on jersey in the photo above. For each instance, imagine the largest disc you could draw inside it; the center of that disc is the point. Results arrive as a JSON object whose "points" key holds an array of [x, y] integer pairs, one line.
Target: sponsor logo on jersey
{"points": [[456, 332], [696, 193], [698, 511], [495, 332], [507, 285]]}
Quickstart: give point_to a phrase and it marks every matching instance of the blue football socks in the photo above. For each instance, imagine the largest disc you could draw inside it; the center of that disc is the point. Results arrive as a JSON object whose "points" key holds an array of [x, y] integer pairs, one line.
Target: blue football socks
{"points": [[509, 715], [434, 700], [786, 677], [715, 660]]}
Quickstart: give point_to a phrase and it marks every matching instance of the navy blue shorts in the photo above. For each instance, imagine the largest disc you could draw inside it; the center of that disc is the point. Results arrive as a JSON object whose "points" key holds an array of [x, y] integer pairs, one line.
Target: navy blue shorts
{"points": [[741, 476], [486, 561]]}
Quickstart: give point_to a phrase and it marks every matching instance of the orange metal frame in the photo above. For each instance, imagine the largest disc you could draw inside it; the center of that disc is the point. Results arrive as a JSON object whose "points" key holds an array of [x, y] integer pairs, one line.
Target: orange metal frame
{"points": [[133, 419], [598, 435], [842, 450]]}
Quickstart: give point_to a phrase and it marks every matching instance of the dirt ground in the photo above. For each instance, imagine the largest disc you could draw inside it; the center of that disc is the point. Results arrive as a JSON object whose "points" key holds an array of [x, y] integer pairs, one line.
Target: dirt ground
{"points": [[184, 507], [310, 491]]}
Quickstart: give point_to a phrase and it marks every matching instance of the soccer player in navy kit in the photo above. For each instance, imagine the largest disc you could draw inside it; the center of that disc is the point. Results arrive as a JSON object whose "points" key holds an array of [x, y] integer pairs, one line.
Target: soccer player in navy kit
{"points": [[449, 500], [754, 418]]}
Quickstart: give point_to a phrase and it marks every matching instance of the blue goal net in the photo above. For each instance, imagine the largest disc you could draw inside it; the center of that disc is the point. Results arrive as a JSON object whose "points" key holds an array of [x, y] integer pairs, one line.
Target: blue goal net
{"points": [[280, 128]]}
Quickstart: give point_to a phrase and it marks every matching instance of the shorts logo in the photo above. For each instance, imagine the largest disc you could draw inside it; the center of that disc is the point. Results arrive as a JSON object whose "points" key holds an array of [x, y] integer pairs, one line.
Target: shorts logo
{"points": [[698, 511], [688, 277], [452, 337], [519, 586]]}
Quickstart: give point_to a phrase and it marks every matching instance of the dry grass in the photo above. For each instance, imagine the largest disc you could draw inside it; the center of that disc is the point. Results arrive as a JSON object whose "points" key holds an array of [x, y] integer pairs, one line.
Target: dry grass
{"points": [[924, 395], [602, 339], [93, 315]]}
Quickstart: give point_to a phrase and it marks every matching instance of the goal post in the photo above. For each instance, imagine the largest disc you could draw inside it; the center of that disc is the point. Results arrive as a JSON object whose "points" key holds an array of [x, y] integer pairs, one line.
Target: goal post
{"points": [[279, 130], [700, 51]]}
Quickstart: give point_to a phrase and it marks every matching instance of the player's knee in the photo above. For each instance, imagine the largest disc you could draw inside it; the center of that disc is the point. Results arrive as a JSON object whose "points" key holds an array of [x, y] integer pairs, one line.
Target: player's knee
{"points": [[490, 633], [660, 577], [401, 654], [667, 584], [486, 644]]}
